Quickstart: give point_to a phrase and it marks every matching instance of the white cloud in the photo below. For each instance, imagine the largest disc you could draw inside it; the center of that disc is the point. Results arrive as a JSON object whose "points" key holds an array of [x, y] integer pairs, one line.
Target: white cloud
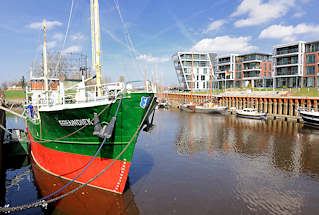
{"points": [[299, 14], [77, 36], [72, 49], [214, 25], [224, 44], [259, 12], [288, 33], [58, 36], [48, 24], [151, 59]]}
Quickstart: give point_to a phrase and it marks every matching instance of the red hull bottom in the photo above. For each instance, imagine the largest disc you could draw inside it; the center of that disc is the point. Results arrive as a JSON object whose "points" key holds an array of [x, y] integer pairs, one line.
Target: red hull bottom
{"points": [[86, 201], [68, 166]]}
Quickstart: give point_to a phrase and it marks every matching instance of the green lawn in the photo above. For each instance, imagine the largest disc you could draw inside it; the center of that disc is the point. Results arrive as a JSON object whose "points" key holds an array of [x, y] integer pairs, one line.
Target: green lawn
{"points": [[310, 92], [14, 94]]}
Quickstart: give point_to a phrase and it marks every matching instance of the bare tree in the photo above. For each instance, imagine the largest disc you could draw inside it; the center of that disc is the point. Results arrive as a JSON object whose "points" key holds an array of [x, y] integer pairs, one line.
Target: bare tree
{"points": [[122, 78]]}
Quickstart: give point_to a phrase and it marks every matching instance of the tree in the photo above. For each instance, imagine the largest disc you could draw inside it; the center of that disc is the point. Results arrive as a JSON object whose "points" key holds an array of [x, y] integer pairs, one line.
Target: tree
{"points": [[4, 85], [22, 82], [122, 78]]}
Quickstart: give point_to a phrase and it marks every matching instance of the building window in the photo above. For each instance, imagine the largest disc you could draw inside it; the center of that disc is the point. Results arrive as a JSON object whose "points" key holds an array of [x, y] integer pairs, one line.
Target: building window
{"points": [[310, 59], [265, 65], [197, 85], [203, 84], [205, 70], [309, 82], [310, 70], [197, 77], [238, 75], [238, 67], [203, 78]]}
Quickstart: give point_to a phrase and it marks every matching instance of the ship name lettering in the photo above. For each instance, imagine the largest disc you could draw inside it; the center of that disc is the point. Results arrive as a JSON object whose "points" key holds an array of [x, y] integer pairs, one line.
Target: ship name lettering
{"points": [[75, 122]]}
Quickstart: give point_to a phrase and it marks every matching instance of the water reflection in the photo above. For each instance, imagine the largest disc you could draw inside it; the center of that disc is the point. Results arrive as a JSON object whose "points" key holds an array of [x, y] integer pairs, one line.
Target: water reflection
{"points": [[287, 144], [87, 200], [266, 158]]}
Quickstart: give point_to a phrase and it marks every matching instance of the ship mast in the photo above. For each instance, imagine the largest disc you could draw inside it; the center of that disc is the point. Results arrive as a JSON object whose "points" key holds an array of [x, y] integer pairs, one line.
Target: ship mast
{"points": [[211, 84], [44, 60], [96, 42], [192, 78]]}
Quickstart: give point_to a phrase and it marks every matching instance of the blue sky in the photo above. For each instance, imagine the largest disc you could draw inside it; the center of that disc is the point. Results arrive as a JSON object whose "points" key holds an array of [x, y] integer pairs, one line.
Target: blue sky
{"points": [[158, 29]]}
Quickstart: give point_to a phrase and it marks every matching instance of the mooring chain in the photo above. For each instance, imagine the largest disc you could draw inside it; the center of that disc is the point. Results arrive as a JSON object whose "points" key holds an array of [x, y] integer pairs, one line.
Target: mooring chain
{"points": [[44, 203]]}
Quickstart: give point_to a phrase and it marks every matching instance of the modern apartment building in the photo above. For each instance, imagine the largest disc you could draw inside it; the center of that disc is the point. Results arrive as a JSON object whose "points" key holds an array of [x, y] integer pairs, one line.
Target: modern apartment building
{"points": [[254, 69], [225, 72], [288, 63], [311, 65], [201, 64]]}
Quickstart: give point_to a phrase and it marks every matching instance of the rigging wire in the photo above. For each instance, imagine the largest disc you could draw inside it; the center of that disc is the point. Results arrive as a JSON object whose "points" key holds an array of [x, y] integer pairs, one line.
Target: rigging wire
{"points": [[128, 37], [66, 35]]}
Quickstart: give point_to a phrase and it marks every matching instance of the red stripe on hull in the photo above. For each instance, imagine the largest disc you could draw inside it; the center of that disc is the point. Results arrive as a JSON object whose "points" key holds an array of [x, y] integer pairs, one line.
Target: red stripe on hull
{"points": [[69, 165]]}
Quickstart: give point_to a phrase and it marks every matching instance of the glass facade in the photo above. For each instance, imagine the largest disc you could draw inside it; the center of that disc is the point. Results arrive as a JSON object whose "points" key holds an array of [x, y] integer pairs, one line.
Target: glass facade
{"points": [[238, 75], [287, 50], [312, 47], [310, 70], [310, 59], [309, 82]]}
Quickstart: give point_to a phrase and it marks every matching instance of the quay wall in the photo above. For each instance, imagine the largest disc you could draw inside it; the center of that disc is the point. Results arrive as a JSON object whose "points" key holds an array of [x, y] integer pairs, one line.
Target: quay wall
{"points": [[283, 106]]}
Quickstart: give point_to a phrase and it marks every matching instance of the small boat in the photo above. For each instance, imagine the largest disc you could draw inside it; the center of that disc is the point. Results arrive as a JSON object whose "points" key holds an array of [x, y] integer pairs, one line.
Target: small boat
{"points": [[251, 113], [163, 104], [310, 117], [210, 108], [187, 108]]}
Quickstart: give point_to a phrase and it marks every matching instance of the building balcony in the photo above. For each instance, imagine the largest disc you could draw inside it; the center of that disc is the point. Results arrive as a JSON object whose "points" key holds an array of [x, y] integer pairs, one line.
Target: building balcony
{"points": [[252, 77], [223, 63], [251, 69], [285, 65], [285, 55]]}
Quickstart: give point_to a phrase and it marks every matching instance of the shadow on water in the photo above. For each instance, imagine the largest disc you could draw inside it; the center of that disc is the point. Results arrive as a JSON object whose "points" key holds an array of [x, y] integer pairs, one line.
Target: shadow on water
{"points": [[142, 167]]}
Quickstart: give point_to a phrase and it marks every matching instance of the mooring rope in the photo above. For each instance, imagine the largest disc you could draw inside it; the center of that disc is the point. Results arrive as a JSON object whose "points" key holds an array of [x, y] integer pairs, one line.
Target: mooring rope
{"points": [[45, 203], [87, 166]]}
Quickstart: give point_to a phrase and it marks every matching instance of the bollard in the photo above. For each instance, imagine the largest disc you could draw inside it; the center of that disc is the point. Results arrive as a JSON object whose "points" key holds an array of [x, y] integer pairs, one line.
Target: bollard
{"points": [[291, 107], [315, 104], [309, 107], [270, 103], [237, 103], [265, 106], [275, 107], [280, 107], [285, 107], [241, 104], [297, 107]]}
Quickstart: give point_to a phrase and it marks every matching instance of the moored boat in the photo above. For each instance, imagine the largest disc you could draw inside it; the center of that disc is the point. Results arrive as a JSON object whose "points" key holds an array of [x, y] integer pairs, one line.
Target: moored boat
{"points": [[251, 113], [78, 131], [310, 117], [210, 108]]}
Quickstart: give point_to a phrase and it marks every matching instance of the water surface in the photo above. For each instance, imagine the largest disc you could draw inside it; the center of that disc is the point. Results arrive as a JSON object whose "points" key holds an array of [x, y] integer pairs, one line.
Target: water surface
{"points": [[196, 164]]}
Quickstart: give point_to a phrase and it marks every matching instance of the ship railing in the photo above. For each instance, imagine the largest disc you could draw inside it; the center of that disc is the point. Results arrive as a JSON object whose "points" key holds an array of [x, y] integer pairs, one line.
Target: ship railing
{"points": [[85, 94], [140, 86]]}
